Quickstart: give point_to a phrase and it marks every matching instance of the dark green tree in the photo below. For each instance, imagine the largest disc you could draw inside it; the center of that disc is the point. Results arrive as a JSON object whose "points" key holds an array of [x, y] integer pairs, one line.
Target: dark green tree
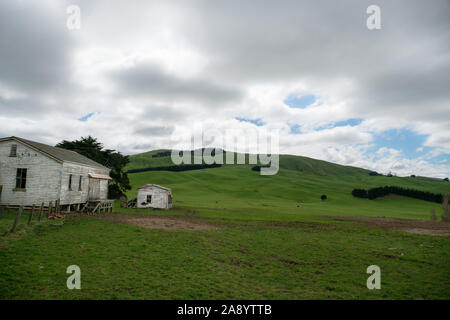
{"points": [[359, 193], [91, 148]]}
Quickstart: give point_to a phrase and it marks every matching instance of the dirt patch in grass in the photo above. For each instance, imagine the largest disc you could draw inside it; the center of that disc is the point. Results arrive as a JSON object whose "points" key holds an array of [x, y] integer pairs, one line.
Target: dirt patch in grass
{"points": [[432, 228], [285, 261], [298, 224], [156, 222]]}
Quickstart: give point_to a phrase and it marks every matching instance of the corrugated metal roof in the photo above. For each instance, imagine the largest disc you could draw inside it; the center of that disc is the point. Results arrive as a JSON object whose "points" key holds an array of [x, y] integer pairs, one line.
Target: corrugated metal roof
{"points": [[58, 153], [154, 185]]}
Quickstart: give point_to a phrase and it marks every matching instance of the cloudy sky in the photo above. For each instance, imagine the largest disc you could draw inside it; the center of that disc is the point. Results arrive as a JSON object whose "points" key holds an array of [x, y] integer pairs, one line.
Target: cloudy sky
{"points": [[140, 74]]}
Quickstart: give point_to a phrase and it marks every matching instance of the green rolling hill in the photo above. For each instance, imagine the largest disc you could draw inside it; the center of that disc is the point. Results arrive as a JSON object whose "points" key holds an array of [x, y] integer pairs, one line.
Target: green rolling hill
{"points": [[293, 193]]}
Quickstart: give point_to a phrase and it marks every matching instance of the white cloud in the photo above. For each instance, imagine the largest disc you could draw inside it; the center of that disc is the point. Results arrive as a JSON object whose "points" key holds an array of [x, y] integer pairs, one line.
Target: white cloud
{"points": [[151, 70]]}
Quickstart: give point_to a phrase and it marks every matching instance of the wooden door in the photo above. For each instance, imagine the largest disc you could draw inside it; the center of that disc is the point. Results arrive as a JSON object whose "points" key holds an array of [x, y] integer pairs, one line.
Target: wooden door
{"points": [[94, 189]]}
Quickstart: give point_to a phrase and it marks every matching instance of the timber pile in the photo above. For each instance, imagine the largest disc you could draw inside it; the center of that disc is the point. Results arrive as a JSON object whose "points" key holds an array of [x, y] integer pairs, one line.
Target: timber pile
{"points": [[131, 203], [98, 206], [55, 216]]}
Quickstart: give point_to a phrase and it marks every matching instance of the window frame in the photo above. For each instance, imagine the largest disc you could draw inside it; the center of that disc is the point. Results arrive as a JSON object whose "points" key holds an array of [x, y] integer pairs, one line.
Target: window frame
{"points": [[80, 183], [21, 178], [13, 148], [149, 195]]}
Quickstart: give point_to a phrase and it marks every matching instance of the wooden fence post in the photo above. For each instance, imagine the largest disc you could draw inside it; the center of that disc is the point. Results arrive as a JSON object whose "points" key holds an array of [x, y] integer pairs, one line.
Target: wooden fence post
{"points": [[16, 221], [40, 211], [445, 201], [49, 212], [31, 215]]}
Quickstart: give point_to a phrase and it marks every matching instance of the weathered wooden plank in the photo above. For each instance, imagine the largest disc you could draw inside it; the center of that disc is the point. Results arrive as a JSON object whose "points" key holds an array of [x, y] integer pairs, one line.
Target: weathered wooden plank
{"points": [[96, 207], [30, 217], [16, 221], [50, 209], [40, 211]]}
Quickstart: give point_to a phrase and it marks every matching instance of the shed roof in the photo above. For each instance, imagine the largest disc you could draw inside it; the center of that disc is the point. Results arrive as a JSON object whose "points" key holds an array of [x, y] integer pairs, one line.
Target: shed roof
{"points": [[153, 185], [58, 154], [99, 176]]}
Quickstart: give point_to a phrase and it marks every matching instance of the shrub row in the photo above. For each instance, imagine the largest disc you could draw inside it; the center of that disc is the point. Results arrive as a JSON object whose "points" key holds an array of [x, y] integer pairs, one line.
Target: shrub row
{"points": [[182, 167], [162, 154], [359, 193], [384, 191], [258, 168]]}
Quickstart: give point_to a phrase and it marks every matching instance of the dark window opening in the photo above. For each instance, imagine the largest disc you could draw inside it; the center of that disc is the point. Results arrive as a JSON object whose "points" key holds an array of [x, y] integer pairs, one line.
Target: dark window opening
{"points": [[70, 182], [79, 183], [149, 198], [21, 178], [13, 152]]}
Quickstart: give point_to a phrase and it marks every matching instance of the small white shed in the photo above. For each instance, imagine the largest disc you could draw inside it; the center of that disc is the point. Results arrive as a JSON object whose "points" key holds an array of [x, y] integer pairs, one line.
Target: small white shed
{"points": [[154, 196]]}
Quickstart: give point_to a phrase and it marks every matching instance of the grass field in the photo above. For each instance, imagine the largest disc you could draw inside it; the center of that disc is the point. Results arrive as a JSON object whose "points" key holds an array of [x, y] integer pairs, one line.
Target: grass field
{"points": [[269, 237]]}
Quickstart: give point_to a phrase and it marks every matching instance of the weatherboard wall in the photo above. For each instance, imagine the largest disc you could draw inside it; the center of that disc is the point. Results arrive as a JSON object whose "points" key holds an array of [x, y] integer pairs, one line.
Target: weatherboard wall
{"points": [[43, 176], [47, 179], [75, 195], [160, 198]]}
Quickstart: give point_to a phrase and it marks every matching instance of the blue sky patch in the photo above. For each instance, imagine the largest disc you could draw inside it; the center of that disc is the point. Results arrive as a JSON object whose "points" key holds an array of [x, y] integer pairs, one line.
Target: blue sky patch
{"points": [[86, 117], [402, 139], [302, 102], [256, 122], [443, 158], [295, 129], [349, 122]]}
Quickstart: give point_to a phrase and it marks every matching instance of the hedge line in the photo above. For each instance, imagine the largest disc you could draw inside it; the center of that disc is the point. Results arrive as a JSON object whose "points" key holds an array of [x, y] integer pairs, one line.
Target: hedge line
{"points": [[258, 168], [384, 191], [182, 167], [162, 154]]}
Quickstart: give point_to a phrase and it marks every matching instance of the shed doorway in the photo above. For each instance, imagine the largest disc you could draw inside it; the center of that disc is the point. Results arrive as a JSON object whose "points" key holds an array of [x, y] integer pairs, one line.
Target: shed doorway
{"points": [[94, 189]]}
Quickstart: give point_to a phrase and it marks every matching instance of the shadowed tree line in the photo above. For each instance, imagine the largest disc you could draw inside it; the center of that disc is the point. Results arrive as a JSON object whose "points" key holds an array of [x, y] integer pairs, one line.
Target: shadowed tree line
{"points": [[386, 190], [177, 168]]}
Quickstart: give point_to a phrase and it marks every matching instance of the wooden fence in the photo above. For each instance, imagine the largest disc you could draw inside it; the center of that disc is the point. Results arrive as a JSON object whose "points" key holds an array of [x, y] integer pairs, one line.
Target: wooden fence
{"points": [[39, 211], [53, 208]]}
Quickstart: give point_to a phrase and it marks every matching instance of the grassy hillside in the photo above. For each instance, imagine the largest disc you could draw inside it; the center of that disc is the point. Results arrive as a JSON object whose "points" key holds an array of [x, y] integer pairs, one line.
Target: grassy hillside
{"points": [[265, 237], [288, 195], [295, 191], [298, 163], [288, 162], [145, 160]]}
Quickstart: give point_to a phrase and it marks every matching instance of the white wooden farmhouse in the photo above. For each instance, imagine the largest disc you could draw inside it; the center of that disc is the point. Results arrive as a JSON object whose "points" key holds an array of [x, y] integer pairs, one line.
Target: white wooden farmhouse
{"points": [[154, 196], [35, 173]]}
